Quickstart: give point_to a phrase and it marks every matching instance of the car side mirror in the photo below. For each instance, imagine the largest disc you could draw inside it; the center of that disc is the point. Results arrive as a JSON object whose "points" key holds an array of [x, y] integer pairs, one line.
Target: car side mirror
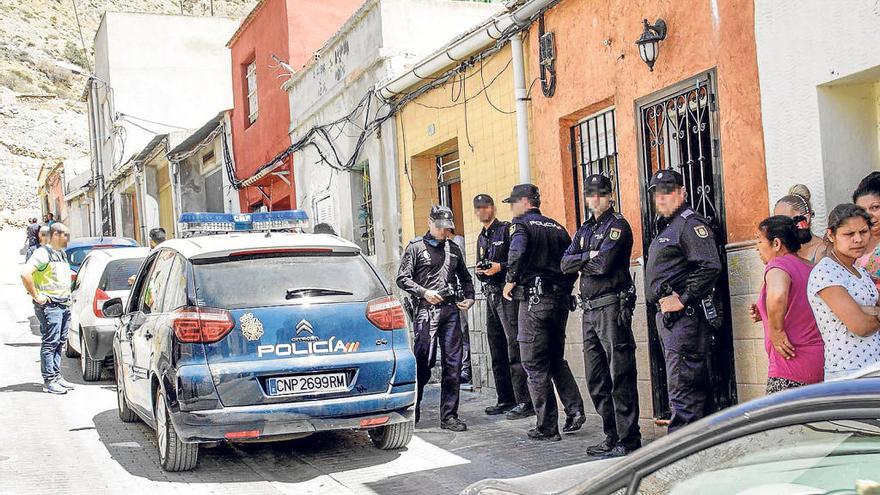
{"points": [[112, 308]]}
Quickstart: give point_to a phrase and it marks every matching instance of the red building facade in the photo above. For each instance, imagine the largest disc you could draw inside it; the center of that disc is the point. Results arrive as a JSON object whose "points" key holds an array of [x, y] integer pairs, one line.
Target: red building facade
{"points": [[275, 30]]}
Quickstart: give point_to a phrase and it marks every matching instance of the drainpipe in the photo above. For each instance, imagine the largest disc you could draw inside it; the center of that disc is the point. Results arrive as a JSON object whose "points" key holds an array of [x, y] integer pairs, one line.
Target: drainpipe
{"points": [[520, 94]]}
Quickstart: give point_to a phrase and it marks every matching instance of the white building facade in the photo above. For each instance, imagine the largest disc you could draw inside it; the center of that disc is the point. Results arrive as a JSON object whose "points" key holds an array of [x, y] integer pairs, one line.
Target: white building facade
{"points": [[819, 69], [380, 40], [154, 75]]}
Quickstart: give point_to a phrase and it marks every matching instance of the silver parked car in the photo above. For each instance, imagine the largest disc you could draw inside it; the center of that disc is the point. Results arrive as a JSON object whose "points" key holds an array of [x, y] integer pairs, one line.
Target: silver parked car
{"points": [[103, 275]]}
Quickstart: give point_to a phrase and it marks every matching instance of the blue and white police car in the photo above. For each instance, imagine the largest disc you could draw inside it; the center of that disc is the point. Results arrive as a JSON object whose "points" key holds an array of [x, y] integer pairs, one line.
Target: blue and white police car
{"points": [[260, 333]]}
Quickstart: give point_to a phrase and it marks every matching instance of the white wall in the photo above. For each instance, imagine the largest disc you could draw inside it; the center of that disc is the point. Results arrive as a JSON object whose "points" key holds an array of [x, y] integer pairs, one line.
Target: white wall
{"points": [[174, 70], [381, 38], [808, 50]]}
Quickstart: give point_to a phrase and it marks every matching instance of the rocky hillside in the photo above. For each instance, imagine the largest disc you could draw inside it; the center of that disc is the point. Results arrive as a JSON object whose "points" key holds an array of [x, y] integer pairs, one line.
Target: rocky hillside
{"points": [[43, 69]]}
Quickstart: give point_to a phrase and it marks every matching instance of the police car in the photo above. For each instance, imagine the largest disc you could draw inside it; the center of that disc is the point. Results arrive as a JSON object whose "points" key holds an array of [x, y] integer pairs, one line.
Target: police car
{"points": [[260, 333]]}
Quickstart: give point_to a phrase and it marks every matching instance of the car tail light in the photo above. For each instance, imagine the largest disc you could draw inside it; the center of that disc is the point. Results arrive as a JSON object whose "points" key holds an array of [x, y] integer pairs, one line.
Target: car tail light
{"points": [[98, 302], [386, 313], [206, 325]]}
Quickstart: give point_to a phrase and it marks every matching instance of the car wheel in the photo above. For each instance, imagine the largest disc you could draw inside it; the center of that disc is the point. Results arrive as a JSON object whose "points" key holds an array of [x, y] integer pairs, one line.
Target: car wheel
{"points": [[68, 351], [174, 455], [91, 368], [392, 437], [125, 412]]}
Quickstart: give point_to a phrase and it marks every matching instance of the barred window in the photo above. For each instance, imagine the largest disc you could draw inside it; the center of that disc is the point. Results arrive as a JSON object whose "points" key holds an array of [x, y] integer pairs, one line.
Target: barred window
{"points": [[594, 151]]}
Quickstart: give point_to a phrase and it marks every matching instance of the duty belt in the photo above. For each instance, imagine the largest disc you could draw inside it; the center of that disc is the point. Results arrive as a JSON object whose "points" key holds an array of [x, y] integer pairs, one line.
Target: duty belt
{"points": [[491, 288], [599, 302]]}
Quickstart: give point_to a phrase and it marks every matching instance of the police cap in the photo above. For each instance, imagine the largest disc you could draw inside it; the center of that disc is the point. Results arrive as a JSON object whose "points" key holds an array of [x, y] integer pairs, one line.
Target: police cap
{"points": [[481, 200], [441, 217], [666, 179], [597, 184], [523, 191]]}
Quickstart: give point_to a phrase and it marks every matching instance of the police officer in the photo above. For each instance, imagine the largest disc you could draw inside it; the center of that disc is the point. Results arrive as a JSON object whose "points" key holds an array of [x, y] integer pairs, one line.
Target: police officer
{"points": [[682, 268], [533, 277], [432, 271], [501, 325], [601, 251]]}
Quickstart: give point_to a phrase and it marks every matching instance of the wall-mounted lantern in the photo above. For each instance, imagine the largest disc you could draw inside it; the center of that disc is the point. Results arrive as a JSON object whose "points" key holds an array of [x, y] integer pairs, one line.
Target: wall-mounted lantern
{"points": [[649, 41]]}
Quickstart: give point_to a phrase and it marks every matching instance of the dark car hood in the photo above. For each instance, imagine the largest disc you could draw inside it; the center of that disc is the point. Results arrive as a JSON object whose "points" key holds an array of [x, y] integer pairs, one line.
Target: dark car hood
{"points": [[543, 483]]}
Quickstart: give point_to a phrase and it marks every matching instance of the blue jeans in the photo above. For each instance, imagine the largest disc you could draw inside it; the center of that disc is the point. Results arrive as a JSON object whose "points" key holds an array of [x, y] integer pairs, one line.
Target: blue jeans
{"points": [[54, 321]]}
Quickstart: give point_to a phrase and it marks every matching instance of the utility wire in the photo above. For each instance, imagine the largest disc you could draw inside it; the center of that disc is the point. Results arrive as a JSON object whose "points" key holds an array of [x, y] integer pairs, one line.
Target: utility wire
{"points": [[82, 40]]}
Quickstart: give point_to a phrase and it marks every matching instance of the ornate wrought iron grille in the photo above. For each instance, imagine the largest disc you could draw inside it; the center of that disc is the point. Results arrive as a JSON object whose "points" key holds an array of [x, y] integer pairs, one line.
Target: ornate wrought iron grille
{"points": [[594, 146], [677, 135]]}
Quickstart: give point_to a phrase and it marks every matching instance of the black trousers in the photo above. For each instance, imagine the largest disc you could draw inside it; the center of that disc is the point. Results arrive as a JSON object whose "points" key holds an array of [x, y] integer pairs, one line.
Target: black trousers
{"points": [[511, 382], [686, 351], [439, 326], [542, 343], [610, 363]]}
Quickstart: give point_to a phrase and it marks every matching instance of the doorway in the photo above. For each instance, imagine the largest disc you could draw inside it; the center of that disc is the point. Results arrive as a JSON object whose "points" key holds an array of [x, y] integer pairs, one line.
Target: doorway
{"points": [[678, 130]]}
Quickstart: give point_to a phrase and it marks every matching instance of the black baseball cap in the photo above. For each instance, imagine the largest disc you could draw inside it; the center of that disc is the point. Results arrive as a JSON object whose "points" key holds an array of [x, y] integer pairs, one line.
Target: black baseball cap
{"points": [[441, 216], [483, 200], [523, 191], [666, 179], [597, 184]]}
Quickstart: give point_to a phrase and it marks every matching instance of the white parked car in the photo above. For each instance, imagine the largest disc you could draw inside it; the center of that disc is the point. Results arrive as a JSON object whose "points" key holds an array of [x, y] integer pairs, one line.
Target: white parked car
{"points": [[103, 275]]}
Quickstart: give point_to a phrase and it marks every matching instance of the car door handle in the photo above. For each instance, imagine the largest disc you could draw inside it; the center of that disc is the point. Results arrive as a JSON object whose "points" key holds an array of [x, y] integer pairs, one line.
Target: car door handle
{"points": [[148, 335]]}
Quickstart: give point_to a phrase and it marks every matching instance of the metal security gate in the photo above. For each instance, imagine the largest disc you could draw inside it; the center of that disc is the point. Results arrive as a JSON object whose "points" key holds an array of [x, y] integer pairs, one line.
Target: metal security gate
{"points": [[678, 129]]}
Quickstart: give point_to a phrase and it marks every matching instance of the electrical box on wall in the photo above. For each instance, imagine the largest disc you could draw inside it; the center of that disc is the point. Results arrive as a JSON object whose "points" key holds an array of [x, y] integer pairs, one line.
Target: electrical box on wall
{"points": [[548, 49]]}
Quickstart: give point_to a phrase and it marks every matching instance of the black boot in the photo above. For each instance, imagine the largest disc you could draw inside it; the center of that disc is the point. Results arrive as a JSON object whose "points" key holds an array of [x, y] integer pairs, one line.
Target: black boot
{"points": [[453, 424], [536, 434], [499, 409], [603, 448], [574, 422], [522, 410]]}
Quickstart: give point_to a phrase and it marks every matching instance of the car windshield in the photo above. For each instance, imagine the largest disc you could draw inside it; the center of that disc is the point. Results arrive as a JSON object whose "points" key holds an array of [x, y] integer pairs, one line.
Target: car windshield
{"points": [[284, 279], [76, 256], [812, 458], [117, 273]]}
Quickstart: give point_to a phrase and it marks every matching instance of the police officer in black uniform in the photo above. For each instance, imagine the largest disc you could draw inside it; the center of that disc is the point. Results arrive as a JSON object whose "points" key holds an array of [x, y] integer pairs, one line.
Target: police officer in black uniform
{"points": [[501, 315], [601, 251], [534, 278], [681, 271], [433, 271]]}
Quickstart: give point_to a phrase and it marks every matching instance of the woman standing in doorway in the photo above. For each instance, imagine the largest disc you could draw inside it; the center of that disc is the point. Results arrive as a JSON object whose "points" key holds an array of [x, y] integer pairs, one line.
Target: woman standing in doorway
{"points": [[791, 338], [797, 203], [867, 195], [843, 296]]}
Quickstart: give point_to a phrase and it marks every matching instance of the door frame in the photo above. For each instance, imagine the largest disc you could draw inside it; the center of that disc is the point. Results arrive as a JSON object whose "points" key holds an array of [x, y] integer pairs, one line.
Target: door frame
{"points": [[726, 395]]}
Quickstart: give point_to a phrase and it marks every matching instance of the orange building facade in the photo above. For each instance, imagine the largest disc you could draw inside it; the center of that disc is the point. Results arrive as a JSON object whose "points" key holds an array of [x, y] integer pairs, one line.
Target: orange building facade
{"points": [[599, 109]]}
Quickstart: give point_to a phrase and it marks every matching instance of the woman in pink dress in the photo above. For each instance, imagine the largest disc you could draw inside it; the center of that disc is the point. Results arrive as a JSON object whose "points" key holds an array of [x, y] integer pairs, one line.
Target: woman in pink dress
{"points": [[791, 337]]}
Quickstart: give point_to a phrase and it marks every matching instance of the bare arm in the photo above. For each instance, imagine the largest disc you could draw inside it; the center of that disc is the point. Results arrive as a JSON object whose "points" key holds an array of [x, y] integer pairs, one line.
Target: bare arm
{"points": [[778, 284], [27, 279], [849, 312]]}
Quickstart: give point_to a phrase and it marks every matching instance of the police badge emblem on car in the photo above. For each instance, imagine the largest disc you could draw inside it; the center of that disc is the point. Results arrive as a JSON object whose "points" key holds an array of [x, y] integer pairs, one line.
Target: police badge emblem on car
{"points": [[251, 327]]}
